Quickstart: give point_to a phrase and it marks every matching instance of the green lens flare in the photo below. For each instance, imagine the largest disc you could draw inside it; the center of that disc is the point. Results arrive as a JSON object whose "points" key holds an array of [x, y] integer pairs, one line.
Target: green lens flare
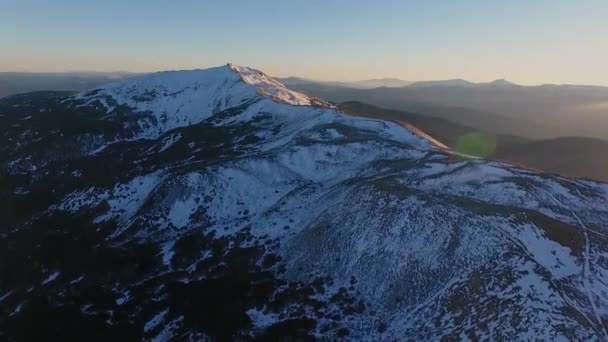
{"points": [[476, 144]]}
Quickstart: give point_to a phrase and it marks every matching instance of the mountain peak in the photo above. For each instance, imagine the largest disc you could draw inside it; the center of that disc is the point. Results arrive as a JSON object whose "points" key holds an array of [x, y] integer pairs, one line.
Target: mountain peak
{"points": [[186, 97], [501, 82], [268, 86]]}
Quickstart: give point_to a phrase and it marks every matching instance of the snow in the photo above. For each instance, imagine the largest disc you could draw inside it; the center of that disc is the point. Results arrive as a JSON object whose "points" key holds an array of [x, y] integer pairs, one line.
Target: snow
{"points": [[21, 191], [261, 319], [17, 310], [166, 333], [167, 252], [322, 163], [50, 277], [233, 191], [79, 199], [181, 210], [156, 320], [4, 296], [123, 299], [556, 258], [182, 98], [268, 86], [125, 199], [176, 98], [169, 141], [330, 134], [77, 280]]}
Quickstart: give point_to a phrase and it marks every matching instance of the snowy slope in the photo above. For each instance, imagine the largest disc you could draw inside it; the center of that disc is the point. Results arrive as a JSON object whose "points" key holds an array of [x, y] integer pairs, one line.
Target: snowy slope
{"points": [[182, 98], [268, 86], [285, 217]]}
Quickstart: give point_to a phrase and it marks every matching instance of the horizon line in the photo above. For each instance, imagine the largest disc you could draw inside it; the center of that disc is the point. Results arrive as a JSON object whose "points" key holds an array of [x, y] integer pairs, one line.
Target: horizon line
{"points": [[307, 78]]}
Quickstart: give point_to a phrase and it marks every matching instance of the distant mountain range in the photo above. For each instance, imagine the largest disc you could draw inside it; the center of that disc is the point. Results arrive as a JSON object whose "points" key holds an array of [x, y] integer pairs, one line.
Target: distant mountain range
{"points": [[393, 83], [535, 112], [462, 83], [444, 83], [363, 84], [390, 83]]}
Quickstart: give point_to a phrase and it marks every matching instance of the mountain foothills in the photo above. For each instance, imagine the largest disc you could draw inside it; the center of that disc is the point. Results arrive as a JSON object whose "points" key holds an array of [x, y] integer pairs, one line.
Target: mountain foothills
{"points": [[218, 204], [572, 156]]}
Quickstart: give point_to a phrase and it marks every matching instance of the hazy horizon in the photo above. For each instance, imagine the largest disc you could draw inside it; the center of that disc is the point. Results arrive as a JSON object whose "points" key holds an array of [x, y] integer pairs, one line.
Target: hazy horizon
{"points": [[544, 42], [124, 72]]}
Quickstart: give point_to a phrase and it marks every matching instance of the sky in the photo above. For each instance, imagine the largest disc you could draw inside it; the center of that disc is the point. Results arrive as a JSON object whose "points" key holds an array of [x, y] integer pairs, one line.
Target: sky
{"points": [[527, 42]]}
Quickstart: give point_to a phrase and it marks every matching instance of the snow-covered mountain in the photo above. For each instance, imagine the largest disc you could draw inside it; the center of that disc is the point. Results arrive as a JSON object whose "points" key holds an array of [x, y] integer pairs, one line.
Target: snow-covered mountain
{"points": [[218, 204]]}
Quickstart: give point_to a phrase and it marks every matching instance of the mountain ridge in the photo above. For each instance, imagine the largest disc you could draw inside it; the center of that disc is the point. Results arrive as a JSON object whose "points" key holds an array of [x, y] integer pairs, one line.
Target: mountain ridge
{"points": [[569, 156], [241, 215]]}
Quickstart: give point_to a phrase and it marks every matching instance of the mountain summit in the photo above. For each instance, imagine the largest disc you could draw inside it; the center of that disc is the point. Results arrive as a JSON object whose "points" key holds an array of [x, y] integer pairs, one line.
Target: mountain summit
{"points": [[218, 204], [501, 82], [182, 98]]}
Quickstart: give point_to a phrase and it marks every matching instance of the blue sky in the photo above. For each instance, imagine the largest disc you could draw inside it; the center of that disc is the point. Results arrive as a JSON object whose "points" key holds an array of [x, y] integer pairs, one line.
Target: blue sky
{"points": [[529, 42]]}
